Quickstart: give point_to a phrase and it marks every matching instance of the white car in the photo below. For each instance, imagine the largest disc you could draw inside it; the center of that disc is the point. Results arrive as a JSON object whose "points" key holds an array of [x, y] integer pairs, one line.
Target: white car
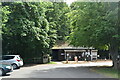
{"points": [[15, 60]]}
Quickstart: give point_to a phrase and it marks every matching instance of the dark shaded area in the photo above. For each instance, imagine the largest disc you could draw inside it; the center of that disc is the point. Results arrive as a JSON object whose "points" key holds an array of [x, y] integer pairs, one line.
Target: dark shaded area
{"points": [[66, 72], [104, 54], [119, 38], [60, 54]]}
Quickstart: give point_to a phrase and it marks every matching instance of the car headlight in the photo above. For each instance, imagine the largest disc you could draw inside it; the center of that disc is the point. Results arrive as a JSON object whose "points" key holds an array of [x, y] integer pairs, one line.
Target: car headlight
{"points": [[9, 67]]}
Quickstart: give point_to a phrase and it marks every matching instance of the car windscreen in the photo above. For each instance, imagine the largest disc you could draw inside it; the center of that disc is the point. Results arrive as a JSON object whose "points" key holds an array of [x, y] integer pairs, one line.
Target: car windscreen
{"points": [[7, 57]]}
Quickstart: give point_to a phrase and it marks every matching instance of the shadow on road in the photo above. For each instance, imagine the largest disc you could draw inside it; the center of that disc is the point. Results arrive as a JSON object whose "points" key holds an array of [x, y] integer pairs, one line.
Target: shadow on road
{"points": [[30, 65], [7, 75]]}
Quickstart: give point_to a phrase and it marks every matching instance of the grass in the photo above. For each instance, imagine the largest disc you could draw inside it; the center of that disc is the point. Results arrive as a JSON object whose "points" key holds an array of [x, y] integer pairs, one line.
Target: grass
{"points": [[52, 62], [110, 72]]}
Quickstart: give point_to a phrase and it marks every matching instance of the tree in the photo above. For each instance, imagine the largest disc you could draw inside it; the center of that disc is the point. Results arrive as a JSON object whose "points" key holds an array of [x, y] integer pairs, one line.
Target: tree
{"points": [[32, 28], [95, 25], [26, 31], [57, 15]]}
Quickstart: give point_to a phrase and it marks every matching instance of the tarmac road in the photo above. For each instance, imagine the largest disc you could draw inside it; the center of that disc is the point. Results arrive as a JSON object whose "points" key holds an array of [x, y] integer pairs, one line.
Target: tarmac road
{"points": [[55, 71]]}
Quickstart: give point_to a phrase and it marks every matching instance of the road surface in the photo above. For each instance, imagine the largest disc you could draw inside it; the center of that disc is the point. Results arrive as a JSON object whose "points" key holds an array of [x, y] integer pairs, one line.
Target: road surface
{"points": [[56, 71]]}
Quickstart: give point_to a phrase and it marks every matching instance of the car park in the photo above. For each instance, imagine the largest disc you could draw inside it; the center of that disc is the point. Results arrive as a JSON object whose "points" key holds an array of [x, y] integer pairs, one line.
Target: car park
{"points": [[5, 68], [15, 60]]}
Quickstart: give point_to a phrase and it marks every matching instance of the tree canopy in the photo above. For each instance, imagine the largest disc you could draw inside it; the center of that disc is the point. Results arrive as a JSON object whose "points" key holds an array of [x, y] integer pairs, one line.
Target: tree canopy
{"points": [[32, 28], [95, 25]]}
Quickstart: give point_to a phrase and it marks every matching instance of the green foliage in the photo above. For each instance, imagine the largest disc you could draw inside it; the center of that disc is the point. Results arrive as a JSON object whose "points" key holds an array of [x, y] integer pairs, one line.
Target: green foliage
{"points": [[26, 31], [52, 62], [107, 71], [57, 16], [93, 24], [30, 29], [3, 15]]}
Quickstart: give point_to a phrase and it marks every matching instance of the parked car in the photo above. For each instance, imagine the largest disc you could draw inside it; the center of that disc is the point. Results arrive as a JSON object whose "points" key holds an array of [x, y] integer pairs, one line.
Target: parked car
{"points": [[15, 60], [5, 68]]}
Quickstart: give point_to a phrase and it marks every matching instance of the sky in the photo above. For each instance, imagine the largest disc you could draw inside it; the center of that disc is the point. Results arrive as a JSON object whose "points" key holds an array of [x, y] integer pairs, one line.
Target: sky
{"points": [[69, 1]]}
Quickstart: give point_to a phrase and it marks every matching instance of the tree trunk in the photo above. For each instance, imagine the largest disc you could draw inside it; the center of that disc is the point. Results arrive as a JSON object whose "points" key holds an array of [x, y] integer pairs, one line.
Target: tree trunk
{"points": [[114, 53], [115, 62]]}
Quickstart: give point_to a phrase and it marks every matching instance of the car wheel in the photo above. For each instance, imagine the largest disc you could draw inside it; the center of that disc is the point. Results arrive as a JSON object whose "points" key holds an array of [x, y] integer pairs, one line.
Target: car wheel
{"points": [[14, 66], [2, 73], [18, 67]]}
